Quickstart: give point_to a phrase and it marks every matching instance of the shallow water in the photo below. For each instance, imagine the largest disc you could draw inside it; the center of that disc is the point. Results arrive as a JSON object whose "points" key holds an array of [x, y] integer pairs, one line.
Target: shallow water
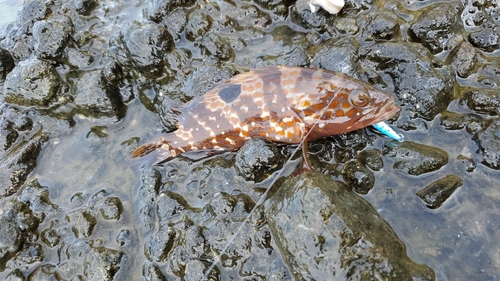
{"points": [[459, 240]]}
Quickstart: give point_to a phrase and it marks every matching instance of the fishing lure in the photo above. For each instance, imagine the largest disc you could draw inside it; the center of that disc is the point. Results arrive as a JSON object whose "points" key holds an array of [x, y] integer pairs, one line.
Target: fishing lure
{"points": [[280, 103], [388, 131]]}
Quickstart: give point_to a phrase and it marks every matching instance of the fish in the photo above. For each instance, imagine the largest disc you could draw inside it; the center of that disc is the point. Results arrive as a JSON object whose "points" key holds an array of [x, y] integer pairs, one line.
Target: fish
{"points": [[281, 104]]}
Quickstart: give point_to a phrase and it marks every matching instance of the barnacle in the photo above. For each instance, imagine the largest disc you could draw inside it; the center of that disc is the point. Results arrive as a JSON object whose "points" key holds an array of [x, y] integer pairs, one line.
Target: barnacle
{"points": [[331, 6]]}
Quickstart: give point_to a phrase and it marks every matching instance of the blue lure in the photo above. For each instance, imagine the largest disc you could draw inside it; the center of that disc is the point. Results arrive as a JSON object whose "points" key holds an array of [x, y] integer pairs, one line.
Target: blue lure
{"points": [[385, 129]]}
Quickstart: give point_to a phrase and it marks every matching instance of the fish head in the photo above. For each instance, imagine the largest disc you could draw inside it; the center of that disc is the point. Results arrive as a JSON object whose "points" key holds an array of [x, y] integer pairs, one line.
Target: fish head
{"points": [[353, 105]]}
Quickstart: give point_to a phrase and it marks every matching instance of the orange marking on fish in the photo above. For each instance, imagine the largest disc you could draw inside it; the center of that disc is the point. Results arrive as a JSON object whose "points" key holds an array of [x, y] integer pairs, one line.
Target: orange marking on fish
{"points": [[279, 103]]}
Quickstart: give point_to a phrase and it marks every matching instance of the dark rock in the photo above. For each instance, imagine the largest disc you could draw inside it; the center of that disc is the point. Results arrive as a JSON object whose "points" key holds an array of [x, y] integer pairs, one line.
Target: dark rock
{"points": [[346, 25], [18, 222], [8, 135], [256, 160], [102, 263], [85, 7], [480, 13], [143, 46], [371, 158], [33, 11], [487, 40], [147, 198], [151, 272], [465, 163], [436, 26], [341, 236], [358, 177], [50, 237], [82, 223], [456, 121], [380, 25], [15, 275], [488, 145], [419, 86], [45, 272], [339, 54], [157, 10], [278, 7], [52, 36], [198, 24], [6, 64], [30, 253], [464, 60], [96, 98], [482, 101], [302, 15], [435, 194], [111, 208], [415, 159], [203, 79], [32, 82], [20, 163], [217, 47], [37, 197], [158, 245]]}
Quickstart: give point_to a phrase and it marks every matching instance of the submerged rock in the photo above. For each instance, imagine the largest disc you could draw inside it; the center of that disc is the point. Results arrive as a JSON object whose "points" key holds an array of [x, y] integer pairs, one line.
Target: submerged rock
{"points": [[435, 194], [488, 145], [327, 232], [256, 160], [414, 158], [32, 82]]}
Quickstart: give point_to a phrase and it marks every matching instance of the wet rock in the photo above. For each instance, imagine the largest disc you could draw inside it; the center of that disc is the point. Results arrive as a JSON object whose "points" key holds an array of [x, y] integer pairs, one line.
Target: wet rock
{"points": [[482, 101], [6, 64], [142, 46], [52, 36], [82, 223], [278, 7], [256, 160], [358, 177], [151, 272], [18, 222], [435, 27], [203, 79], [157, 10], [50, 237], [32, 82], [337, 55], [38, 198], [15, 275], [102, 263], [347, 240], [302, 15], [371, 158], [465, 163], [45, 272], [488, 145], [419, 86], [414, 158], [216, 46], [158, 245], [487, 40], [456, 121], [33, 11], [95, 97], [111, 208], [147, 198], [198, 24], [480, 13], [464, 60], [435, 194], [380, 25], [30, 253], [20, 163], [8, 135], [346, 25], [85, 7]]}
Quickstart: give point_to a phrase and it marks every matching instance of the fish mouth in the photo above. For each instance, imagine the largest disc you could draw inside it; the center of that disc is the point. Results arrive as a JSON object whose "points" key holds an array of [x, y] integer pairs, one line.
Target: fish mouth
{"points": [[388, 111]]}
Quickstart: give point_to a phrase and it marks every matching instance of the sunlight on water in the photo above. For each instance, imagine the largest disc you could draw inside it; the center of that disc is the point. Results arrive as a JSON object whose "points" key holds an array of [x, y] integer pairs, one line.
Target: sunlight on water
{"points": [[8, 10]]}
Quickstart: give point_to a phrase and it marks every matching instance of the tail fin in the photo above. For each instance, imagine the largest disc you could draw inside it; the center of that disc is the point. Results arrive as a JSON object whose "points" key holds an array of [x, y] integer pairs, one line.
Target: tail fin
{"points": [[151, 153]]}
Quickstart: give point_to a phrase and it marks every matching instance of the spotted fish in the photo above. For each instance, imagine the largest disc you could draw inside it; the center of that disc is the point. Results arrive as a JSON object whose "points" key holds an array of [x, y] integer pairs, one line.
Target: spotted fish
{"points": [[281, 104]]}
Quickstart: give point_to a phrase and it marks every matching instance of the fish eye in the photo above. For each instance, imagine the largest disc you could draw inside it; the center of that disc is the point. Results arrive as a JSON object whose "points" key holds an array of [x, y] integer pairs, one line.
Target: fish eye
{"points": [[359, 98]]}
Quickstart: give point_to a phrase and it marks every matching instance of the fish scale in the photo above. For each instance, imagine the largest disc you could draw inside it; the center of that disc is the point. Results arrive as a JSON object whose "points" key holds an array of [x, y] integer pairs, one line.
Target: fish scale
{"points": [[281, 104]]}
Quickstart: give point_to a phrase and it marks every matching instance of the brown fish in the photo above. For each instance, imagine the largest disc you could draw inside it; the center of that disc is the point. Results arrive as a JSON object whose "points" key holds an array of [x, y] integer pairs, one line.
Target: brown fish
{"points": [[281, 104]]}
